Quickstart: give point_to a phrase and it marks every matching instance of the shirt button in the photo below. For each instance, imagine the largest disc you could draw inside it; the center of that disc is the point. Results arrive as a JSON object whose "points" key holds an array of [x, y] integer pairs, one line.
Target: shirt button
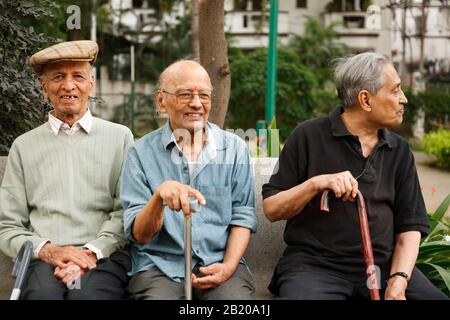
{"points": [[180, 154], [185, 168]]}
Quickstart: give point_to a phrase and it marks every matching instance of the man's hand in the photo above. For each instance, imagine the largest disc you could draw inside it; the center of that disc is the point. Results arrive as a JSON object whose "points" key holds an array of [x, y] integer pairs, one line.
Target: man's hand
{"points": [[69, 274], [176, 196], [396, 289], [72, 271], [61, 256], [342, 184], [215, 275]]}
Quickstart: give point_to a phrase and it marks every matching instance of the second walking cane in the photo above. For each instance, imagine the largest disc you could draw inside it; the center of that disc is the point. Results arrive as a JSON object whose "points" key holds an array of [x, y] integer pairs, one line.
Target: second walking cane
{"points": [[193, 207]]}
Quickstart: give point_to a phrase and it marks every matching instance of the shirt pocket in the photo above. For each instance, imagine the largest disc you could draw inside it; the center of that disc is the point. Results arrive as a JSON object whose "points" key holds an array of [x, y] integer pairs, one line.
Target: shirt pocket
{"points": [[218, 204]]}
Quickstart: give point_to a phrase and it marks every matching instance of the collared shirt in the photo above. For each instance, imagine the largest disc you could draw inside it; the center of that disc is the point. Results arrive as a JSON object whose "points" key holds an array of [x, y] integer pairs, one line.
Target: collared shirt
{"points": [[57, 125], [387, 178], [222, 174]]}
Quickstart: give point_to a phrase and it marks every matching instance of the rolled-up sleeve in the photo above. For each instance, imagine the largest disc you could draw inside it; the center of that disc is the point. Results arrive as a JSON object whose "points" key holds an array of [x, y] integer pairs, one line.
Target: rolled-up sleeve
{"points": [[242, 192]]}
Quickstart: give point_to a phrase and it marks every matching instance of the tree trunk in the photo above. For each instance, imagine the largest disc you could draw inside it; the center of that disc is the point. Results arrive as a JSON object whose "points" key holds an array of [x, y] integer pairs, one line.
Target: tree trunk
{"points": [[214, 56], [194, 28]]}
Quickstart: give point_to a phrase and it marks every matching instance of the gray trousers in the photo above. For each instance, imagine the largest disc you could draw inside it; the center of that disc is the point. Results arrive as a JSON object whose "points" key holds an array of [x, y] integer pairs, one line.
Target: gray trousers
{"points": [[155, 285]]}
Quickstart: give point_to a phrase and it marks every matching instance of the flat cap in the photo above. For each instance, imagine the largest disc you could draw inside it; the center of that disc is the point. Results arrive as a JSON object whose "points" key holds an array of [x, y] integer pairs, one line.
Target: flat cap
{"points": [[81, 50]]}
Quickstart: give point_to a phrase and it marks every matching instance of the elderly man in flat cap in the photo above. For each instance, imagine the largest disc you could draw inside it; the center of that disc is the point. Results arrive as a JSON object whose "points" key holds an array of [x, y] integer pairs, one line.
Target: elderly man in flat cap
{"points": [[61, 187]]}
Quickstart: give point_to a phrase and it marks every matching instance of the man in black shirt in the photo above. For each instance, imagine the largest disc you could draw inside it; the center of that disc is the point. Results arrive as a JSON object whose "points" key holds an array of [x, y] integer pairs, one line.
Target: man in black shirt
{"points": [[350, 150]]}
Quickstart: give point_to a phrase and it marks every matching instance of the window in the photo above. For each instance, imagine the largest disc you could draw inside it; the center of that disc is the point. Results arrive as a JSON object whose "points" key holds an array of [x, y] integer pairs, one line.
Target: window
{"points": [[301, 4], [257, 5]]}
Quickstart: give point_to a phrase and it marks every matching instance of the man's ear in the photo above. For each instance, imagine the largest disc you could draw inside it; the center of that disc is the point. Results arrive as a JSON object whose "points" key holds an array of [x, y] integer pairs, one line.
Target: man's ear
{"points": [[364, 100], [160, 103], [44, 87]]}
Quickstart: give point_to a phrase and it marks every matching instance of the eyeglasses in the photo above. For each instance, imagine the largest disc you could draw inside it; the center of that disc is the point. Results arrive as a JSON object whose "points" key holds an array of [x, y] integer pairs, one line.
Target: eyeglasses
{"points": [[186, 96]]}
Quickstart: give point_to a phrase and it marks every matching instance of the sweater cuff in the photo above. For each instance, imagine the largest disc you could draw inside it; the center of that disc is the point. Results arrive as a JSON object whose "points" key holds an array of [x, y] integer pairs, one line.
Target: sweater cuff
{"points": [[39, 247], [95, 250]]}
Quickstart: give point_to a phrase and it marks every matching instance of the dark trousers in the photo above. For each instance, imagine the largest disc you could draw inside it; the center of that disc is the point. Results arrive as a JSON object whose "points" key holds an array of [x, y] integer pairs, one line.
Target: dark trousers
{"points": [[314, 285], [107, 281]]}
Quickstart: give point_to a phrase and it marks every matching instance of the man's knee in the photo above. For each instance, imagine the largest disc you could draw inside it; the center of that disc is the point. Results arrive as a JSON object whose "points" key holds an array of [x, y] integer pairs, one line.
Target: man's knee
{"points": [[42, 293], [420, 288], [96, 293], [41, 284]]}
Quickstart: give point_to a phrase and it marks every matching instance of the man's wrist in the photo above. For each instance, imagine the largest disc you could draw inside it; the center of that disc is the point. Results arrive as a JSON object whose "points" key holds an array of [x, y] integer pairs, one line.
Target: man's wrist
{"points": [[399, 274]]}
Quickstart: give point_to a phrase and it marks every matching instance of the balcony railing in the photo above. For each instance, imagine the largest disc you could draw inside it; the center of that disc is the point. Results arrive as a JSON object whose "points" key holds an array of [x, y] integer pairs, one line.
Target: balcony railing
{"points": [[354, 22], [254, 22]]}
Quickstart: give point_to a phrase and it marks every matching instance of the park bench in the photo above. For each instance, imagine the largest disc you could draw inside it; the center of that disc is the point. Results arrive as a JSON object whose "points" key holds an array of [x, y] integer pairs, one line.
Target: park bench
{"points": [[264, 250]]}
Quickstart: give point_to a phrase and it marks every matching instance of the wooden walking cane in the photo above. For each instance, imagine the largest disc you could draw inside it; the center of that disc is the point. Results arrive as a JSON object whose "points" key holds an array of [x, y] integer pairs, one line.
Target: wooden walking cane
{"points": [[366, 241], [193, 207]]}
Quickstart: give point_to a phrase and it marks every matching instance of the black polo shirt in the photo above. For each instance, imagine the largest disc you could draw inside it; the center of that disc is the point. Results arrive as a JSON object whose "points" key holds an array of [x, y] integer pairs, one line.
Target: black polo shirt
{"points": [[387, 178]]}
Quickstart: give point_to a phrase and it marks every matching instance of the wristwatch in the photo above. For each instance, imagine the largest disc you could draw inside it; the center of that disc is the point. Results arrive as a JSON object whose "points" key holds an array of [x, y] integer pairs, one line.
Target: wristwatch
{"points": [[400, 274]]}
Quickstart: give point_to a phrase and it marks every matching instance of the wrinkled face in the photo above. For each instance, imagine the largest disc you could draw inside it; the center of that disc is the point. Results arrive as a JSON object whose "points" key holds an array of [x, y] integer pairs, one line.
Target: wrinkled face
{"points": [[388, 104], [68, 85], [184, 81]]}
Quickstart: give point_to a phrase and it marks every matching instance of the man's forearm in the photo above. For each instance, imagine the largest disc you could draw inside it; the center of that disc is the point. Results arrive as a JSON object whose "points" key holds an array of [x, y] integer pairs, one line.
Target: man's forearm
{"points": [[149, 220], [236, 246], [287, 204], [405, 252]]}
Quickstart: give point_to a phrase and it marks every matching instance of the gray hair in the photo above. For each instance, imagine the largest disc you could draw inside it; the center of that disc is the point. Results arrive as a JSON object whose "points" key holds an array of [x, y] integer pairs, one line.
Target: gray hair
{"points": [[364, 71]]}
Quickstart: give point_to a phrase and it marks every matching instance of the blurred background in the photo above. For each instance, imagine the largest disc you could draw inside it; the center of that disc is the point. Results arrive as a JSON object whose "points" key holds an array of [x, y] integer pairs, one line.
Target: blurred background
{"points": [[269, 61]]}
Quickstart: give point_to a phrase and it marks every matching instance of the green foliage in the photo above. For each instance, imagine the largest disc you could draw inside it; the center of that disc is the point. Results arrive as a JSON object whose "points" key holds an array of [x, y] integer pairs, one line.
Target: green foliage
{"points": [[438, 144], [434, 251], [54, 23], [325, 100], [153, 54], [21, 103], [414, 103], [435, 105], [318, 47], [248, 92]]}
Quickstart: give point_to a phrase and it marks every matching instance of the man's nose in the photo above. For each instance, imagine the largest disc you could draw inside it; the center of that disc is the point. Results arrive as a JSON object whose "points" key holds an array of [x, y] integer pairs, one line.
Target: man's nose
{"points": [[68, 84], [195, 102], [403, 98]]}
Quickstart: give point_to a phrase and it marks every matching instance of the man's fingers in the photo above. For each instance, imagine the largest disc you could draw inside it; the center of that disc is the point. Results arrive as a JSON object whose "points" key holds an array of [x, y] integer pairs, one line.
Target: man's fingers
{"points": [[336, 189], [184, 200], [176, 206], [204, 282], [354, 187], [198, 195], [348, 188]]}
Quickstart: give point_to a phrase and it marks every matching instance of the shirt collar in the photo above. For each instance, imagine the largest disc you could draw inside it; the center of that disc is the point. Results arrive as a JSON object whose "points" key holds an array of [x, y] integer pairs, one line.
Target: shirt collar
{"points": [[215, 137], [338, 128], [84, 122]]}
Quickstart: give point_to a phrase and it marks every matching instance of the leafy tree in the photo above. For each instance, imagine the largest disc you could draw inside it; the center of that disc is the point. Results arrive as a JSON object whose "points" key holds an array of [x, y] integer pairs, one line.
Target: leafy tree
{"points": [[214, 56], [317, 48], [21, 104], [248, 77]]}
